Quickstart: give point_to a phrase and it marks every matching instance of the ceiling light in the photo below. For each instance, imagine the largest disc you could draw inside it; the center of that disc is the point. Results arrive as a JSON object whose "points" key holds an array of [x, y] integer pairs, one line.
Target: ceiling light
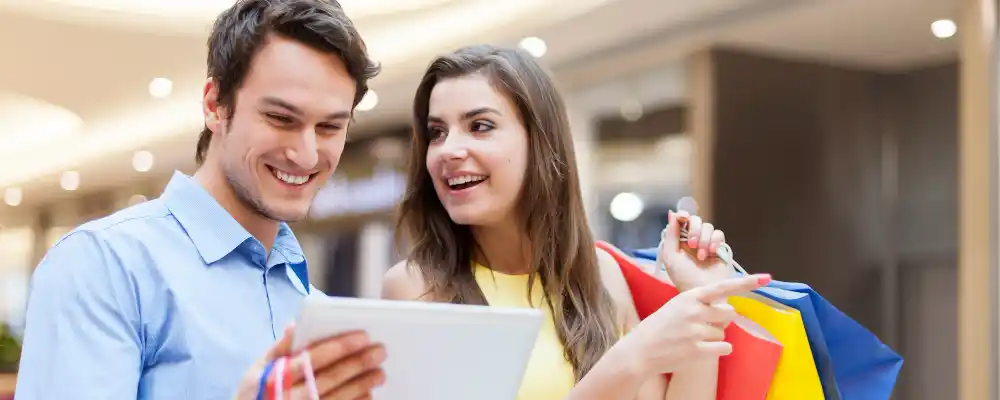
{"points": [[631, 110], [688, 204], [70, 180], [944, 28], [534, 46], [12, 196], [626, 207], [160, 87], [368, 102], [142, 161]]}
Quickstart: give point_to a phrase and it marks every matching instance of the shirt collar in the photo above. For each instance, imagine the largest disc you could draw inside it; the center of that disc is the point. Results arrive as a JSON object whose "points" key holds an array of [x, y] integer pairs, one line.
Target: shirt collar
{"points": [[213, 230]]}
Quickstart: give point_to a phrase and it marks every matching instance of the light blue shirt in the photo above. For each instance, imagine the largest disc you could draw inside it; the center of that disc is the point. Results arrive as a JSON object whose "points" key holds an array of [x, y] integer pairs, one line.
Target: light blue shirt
{"points": [[169, 299]]}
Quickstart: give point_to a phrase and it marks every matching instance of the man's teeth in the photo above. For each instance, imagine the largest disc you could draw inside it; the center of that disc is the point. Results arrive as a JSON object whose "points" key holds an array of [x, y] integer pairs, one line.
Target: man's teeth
{"points": [[458, 180], [289, 178]]}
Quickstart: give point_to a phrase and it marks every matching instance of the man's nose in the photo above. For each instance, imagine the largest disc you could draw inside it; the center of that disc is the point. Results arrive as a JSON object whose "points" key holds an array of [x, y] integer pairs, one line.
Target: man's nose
{"points": [[304, 152]]}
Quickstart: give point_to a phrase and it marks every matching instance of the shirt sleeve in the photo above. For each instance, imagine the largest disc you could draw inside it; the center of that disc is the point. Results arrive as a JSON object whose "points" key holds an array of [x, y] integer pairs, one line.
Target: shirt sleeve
{"points": [[82, 338]]}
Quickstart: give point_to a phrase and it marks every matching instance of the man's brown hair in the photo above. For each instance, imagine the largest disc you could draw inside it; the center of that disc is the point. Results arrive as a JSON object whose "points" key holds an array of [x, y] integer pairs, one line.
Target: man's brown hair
{"points": [[239, 33]]}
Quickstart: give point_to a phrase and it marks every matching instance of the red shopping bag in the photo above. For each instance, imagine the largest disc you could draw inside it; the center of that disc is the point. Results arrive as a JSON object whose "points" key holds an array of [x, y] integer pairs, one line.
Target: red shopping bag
{"points": [[746, 373]]}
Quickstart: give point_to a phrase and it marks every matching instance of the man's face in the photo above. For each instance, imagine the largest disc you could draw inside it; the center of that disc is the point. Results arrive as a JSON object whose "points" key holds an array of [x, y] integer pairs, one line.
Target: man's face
{"points": [[286, 133]]}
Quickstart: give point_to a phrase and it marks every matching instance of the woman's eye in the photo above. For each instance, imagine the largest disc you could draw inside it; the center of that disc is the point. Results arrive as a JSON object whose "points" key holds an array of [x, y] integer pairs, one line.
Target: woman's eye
{"points": [[435, 132], [481, 126]]}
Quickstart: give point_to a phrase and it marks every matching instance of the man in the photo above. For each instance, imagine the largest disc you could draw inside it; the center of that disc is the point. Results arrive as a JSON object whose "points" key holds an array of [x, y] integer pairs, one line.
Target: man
{"points": [[177, 297]]}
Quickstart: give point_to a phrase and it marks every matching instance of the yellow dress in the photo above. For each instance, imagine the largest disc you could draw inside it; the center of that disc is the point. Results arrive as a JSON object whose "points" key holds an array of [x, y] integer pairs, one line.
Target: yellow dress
{"points": [[549, 375]]}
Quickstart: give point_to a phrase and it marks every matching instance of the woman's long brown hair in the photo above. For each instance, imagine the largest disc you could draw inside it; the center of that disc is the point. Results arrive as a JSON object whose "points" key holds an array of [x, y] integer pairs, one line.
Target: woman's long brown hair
{"points": [[561, 245]]}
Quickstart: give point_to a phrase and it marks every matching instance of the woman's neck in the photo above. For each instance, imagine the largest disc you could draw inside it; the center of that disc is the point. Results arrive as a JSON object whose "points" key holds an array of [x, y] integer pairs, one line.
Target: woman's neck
{"points": [[502, 248]]}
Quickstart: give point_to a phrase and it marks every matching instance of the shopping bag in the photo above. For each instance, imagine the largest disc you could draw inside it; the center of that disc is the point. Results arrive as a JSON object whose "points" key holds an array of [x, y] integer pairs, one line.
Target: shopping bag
{"points": [[853, 363], [747, 372], [795, 377], [814, 332], [863, 367]]}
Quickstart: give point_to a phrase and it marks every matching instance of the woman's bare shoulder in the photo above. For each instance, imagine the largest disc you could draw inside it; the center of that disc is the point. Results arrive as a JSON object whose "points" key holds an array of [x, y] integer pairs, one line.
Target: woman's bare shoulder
{"points": [[617, 287], [404, 282]]}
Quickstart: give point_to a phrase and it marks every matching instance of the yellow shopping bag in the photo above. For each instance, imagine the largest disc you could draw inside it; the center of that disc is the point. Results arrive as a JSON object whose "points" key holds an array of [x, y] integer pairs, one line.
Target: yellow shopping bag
{"points": [[796, 377]]}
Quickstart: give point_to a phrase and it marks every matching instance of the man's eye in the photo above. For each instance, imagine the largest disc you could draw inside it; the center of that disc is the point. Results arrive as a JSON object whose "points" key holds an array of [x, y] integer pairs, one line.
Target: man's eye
{"points": [[278, 118], [330, 127]]}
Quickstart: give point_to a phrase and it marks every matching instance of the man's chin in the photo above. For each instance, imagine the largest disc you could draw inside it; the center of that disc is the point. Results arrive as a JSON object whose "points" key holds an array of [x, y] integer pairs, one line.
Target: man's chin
{"points": [[287, 214]]}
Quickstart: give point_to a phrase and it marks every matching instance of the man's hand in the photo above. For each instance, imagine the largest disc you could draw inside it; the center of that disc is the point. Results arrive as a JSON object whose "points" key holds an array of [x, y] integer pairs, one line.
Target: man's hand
{"points": [[345, 367]]}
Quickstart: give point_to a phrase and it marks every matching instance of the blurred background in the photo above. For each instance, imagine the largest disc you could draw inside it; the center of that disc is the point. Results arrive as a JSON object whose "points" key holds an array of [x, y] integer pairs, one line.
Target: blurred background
{"points": [[847, 144]]}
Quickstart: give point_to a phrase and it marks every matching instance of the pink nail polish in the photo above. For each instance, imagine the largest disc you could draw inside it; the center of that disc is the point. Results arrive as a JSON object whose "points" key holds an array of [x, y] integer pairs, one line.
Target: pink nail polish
{"points": [[764, 279]]}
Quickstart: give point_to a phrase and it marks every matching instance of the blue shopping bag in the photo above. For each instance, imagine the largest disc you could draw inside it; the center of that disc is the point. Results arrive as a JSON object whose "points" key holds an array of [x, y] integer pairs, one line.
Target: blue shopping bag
{"points": [[853, 363]]}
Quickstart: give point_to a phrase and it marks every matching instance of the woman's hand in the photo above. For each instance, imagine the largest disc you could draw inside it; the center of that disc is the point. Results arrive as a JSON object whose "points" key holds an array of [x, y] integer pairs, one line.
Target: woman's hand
{"points": [[685, 270], [689, 328]]}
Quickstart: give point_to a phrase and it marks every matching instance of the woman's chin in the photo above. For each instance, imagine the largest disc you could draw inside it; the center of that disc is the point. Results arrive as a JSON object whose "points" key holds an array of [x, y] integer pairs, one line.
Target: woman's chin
{"points": [[467, 216]]}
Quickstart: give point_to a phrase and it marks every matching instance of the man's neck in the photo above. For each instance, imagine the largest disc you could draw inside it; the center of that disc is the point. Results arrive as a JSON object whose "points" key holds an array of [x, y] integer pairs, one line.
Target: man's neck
{"points": [[214, 181]]}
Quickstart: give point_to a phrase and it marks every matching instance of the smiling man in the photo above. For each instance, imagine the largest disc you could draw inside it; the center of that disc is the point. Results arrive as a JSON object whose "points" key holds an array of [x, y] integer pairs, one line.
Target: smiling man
{"points": [[186, 296]]}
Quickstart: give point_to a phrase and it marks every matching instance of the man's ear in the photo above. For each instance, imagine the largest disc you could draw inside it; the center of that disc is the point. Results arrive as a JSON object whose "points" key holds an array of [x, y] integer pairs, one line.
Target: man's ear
{"points": [[210, 106]]}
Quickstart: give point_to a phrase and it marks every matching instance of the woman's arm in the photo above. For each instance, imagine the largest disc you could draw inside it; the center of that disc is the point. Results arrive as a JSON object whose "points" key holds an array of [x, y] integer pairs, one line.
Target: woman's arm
{"points": [[619, 375], [699, 381]]}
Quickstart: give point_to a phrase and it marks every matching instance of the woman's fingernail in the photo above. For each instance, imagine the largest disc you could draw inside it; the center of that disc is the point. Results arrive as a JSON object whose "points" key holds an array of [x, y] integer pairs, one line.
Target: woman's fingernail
{"points": [[702, 254], [763, 279]]}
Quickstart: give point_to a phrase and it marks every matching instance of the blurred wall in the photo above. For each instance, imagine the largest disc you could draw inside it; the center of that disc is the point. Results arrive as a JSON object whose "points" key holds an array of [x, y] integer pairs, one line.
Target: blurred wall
{"points": [[846, 179]]}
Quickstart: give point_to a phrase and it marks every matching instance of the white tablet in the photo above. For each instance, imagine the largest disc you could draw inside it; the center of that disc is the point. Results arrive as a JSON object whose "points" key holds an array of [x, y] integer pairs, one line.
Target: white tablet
{"points": [[434, 351]]}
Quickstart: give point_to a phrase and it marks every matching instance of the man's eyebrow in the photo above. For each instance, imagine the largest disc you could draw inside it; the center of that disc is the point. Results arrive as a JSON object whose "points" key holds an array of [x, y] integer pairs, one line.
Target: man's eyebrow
{"points": [[274, 101]]}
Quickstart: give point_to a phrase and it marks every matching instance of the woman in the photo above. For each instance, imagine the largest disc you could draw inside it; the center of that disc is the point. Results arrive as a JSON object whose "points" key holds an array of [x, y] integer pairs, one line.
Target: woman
{"points": [[493, 208]]}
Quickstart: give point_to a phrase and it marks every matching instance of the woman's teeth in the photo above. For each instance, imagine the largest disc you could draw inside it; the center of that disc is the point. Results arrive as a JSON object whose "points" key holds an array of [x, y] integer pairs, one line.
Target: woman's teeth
{"points": [[289, 178], [461, 180]]}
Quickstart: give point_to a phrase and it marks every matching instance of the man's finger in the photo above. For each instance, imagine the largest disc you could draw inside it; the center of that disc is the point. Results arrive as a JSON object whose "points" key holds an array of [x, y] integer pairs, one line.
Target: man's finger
{"points": [[329, 351], [717, 292], [359, 387], [333, 377], [282, 348]]}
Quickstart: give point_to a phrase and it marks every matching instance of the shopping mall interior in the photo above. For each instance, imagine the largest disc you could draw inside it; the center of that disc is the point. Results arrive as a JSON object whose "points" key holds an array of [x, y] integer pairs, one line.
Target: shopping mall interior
{"points": [[847, 144]]}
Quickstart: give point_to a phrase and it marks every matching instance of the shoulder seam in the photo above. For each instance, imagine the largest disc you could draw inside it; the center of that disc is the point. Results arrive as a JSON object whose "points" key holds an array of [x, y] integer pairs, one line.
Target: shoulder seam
{"points": [[80, 228]]}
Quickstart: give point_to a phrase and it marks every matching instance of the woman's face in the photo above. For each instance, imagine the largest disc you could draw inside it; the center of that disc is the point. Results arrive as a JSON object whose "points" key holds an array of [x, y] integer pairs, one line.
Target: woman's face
{"points": [[478, 150]]}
